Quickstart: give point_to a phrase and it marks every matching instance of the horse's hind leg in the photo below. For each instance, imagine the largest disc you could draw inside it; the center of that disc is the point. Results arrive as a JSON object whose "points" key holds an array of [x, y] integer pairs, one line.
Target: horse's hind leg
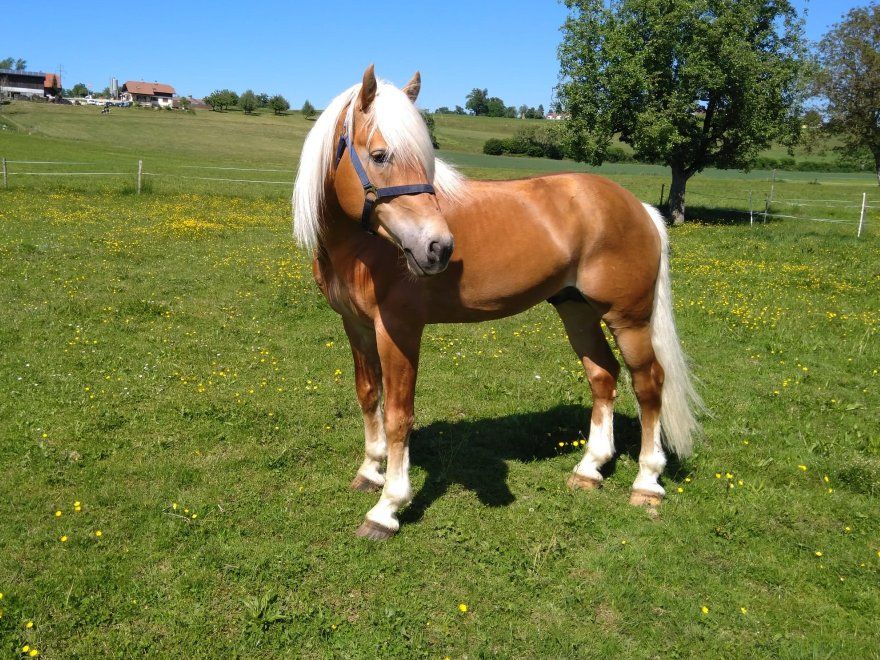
{"points": [[647, 377], [370, 476], [588, 341]]}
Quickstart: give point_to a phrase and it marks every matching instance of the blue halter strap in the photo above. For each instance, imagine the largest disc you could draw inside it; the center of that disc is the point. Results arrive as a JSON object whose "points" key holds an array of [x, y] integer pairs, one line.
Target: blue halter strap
{"points": [[372, 194]]}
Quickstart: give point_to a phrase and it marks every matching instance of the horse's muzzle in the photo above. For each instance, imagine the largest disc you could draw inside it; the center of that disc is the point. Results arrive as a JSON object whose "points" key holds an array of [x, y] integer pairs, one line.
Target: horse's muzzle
{"points": [[432, 257]]}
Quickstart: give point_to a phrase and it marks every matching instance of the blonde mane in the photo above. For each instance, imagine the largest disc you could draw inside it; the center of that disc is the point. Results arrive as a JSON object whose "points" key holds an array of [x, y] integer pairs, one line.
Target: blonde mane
{"points": [[398, 120]]}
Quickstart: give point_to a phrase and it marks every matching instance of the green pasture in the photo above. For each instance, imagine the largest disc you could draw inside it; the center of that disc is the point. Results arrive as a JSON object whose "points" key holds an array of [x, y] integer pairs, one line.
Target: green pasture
{"points": [[168, 364]]}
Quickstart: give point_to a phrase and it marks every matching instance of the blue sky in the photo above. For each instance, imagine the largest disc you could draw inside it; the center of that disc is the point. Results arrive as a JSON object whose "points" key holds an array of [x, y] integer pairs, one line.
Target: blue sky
{"points": [[312, 49]]}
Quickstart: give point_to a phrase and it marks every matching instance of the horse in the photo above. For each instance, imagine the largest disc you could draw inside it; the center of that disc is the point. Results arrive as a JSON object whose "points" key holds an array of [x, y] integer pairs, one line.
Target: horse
{"points": [[400, 239]]}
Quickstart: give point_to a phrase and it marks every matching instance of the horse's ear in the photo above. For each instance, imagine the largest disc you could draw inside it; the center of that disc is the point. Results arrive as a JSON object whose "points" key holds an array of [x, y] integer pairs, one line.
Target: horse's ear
{"points": [[413, 86], [368, 88]]}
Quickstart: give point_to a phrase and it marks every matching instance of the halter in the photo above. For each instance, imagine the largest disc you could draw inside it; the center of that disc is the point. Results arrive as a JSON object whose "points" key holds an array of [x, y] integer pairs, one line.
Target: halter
{"points": [[372, 194]]}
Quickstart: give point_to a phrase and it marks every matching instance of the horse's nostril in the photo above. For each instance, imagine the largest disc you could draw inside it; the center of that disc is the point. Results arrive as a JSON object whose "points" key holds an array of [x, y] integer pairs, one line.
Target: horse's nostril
{"points": [[446, 252]]}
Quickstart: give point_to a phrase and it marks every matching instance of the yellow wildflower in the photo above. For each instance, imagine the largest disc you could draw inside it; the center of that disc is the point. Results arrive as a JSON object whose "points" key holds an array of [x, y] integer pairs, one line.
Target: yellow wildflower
{"points": [[704, 609], [64, 539], [29, 624], [462, 607]]}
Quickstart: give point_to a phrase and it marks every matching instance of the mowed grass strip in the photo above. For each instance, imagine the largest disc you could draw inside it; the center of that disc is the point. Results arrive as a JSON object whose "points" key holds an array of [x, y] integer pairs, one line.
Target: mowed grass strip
{"points": [[169, 365]]}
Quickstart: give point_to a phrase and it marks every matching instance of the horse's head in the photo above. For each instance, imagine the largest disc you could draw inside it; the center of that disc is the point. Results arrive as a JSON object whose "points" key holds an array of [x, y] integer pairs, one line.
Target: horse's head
{"points": [[384, 170]]}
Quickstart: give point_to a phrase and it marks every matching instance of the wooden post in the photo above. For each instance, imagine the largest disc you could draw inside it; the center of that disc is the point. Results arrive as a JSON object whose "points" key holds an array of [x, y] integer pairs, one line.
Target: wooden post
{"points": [[140, 174], [751, 213], [662, 190], [5, 180], [862, 215]]}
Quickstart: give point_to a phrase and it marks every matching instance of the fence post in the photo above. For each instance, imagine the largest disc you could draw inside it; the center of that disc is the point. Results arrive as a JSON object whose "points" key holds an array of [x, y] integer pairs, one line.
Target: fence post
{"points": [[5, 181], [662, 190], [140, 174], [751, 214], [862, 215]]}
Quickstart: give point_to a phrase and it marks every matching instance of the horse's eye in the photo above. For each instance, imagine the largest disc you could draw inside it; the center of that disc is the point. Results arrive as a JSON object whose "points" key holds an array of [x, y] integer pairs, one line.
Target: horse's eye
{"points": [[380, 156]]}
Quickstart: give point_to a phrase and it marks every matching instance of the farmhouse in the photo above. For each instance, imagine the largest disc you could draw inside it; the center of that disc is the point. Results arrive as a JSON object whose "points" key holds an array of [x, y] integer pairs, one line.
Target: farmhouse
{"points": [[157, 95], [28, 84]]}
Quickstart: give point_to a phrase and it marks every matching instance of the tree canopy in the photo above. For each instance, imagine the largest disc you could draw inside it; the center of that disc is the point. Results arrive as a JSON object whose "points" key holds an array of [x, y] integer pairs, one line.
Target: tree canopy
{"points": [[279, 104], [221, 99], [850, 79], [308, 110], [248, 101], [13, 63], [687, 83]]}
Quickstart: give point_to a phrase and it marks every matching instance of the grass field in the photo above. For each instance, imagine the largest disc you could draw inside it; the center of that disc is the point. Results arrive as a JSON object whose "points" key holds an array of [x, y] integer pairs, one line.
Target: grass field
{"points": [[169, 365]]}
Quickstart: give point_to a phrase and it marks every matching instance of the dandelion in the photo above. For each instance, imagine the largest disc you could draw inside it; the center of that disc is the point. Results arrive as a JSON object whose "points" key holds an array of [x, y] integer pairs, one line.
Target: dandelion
{"points": [[194, 516], [704, 609], [58, 513], [33, 653], [462, 608], [680, 489], [740, 482], [717, 475], [25, 648], [174, 505], [825, 479], [29, 625], [847, 529], [744, 610], [803, 467], [99, 533], [818, 553], [63, 539]]}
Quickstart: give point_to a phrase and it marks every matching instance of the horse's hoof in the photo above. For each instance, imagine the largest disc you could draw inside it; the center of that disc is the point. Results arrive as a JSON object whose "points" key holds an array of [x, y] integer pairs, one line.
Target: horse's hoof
{"points": [[645, 498], [580, 482], [364, 485], [374, 531]]}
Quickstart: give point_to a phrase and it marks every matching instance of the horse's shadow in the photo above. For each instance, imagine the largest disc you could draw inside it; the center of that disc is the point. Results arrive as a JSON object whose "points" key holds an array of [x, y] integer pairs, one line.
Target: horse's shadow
{"points": [[472, 453]]}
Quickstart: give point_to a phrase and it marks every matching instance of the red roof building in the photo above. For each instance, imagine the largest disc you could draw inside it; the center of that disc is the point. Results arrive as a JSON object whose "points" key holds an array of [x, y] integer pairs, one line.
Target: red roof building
{"points": [[157, 95]]}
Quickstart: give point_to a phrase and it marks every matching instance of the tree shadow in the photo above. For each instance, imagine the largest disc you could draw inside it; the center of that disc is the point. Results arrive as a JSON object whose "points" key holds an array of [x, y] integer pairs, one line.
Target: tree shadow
{"points": [[473, 453], [709, 215]]}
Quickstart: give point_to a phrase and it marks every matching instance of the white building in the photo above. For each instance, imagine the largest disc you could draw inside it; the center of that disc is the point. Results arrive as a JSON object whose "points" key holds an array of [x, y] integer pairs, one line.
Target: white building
{"points": [[153, 94]]}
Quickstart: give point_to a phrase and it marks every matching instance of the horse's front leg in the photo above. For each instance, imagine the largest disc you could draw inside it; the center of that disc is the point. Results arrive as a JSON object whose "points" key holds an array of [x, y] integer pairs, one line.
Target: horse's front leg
{"points": [[370, 476], [399, 355]]}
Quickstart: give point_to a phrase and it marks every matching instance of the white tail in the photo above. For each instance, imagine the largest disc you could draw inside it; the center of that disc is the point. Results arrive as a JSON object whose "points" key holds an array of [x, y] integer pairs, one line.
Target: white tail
{"points": [[679, 399]]}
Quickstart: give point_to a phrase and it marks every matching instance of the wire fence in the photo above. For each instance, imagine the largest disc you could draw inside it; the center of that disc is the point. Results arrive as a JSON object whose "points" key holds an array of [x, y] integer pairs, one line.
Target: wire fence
{"points": [[772, 205]]}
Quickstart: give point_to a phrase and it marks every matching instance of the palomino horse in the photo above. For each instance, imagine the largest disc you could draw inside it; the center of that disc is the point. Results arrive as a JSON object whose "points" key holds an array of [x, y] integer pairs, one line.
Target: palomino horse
{"points": [[400, 240]]}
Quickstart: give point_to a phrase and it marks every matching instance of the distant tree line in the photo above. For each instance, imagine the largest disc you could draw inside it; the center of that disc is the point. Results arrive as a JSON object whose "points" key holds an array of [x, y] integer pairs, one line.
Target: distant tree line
{"points": [[16, 64], [249, 101], [479, 103]]}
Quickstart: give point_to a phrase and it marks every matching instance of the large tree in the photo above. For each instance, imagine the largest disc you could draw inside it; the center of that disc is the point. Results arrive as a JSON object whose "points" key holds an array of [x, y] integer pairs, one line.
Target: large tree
{"points": [[279, 104], [850, 79], [687, 83], [248, 101], [477, 101]]}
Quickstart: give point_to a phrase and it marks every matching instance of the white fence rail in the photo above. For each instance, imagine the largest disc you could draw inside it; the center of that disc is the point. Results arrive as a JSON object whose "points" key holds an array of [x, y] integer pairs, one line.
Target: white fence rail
{"points": [[138, 175]]}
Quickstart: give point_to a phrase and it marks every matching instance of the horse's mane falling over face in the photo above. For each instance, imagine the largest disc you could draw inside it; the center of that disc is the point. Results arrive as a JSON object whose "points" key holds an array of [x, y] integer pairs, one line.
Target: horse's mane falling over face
{"points": [[398, 120]]}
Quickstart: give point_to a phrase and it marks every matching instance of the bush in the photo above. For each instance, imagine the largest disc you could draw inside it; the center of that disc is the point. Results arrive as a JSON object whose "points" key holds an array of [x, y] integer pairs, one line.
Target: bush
{"points": [[494, 147], [533, 141]]}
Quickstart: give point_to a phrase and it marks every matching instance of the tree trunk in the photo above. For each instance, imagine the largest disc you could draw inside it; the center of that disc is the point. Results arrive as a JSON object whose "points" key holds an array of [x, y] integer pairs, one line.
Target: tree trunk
{"points": [[877, 164], [676, 195]]}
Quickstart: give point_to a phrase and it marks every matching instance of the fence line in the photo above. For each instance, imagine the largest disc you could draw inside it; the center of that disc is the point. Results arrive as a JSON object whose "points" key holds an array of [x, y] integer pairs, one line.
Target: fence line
{"points": [[770, 200], [68, 173], [210, 178], [48, 162], [239, 169]]}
